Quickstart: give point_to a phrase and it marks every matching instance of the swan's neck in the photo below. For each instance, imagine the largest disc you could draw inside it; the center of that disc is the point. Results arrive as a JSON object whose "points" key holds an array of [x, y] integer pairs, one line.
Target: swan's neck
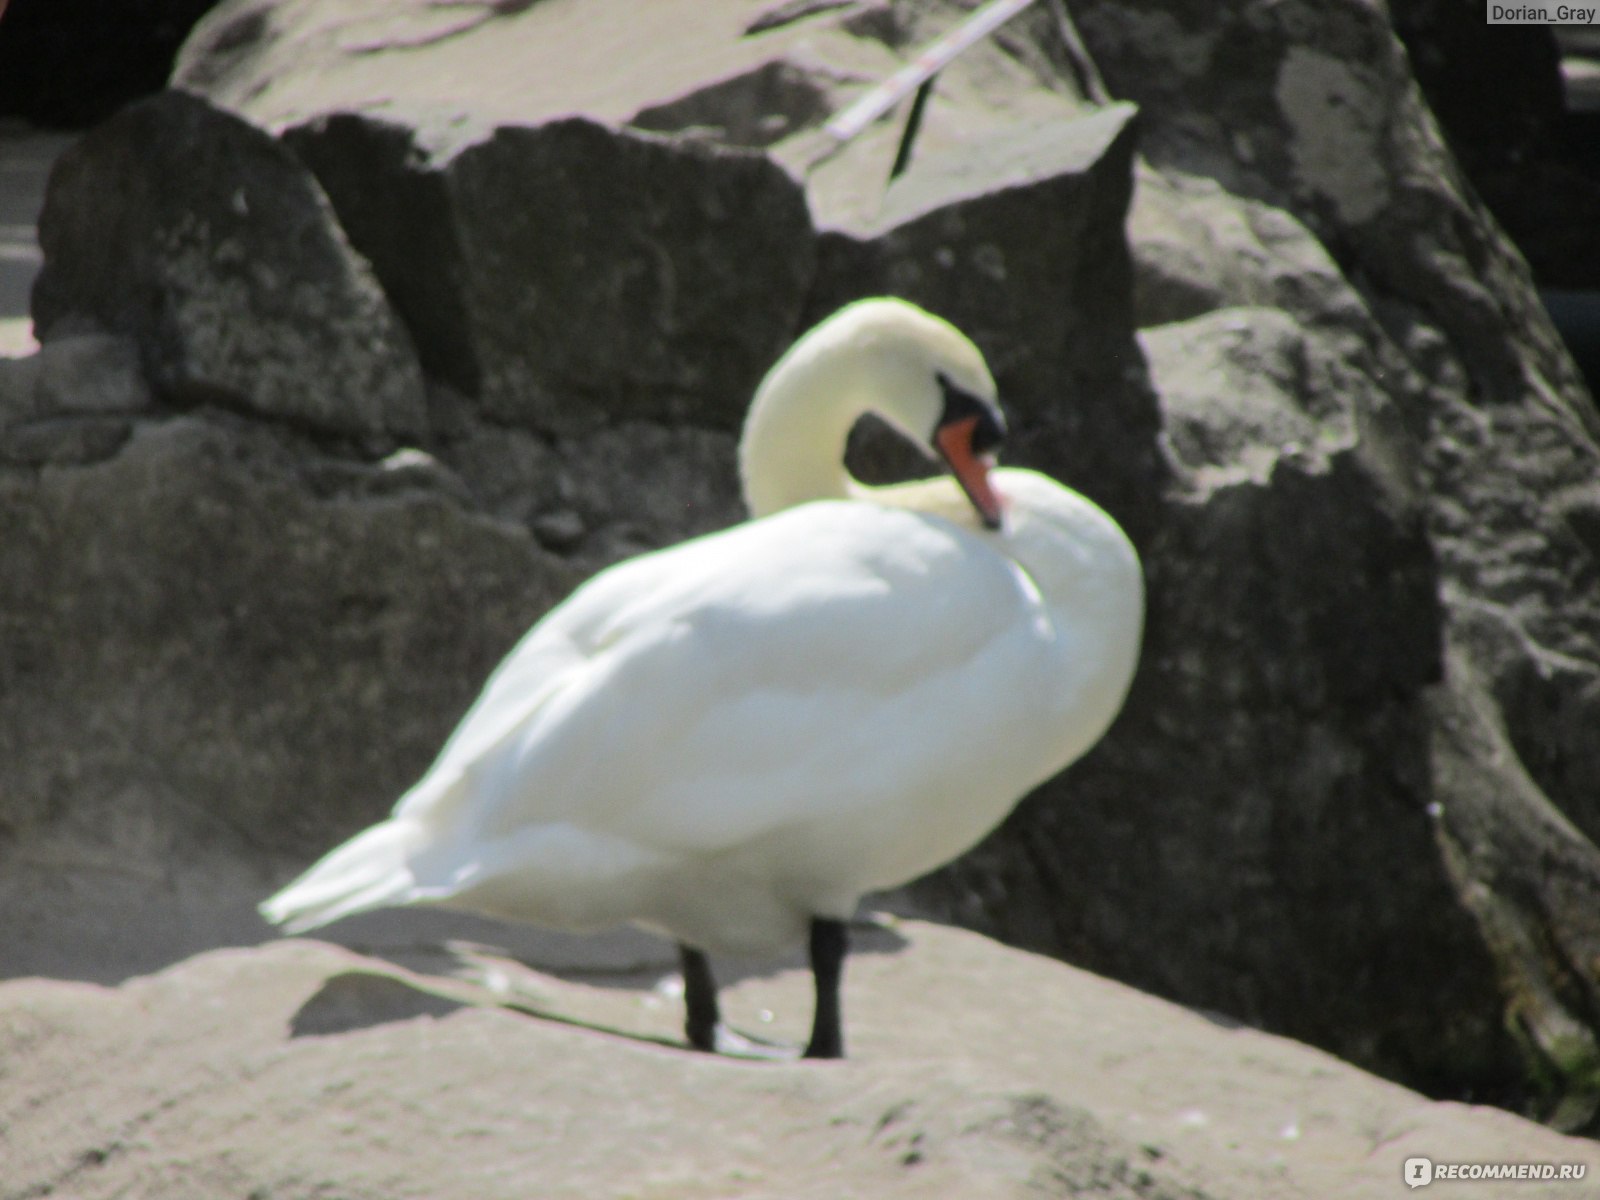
{"points": [[792, 449]]}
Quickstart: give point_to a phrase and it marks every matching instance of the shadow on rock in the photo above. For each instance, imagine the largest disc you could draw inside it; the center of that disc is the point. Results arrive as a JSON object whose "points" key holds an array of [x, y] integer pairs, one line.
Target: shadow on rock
{"points": [[362, 999]]}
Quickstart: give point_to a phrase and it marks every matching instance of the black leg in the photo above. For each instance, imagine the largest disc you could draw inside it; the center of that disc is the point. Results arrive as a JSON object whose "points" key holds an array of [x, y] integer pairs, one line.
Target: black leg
{"points": [[829, 941], [699, 999]]}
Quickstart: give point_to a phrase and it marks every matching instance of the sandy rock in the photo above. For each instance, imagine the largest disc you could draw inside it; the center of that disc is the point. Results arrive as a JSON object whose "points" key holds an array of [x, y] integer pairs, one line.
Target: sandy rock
{"points": [[299, 1069]]}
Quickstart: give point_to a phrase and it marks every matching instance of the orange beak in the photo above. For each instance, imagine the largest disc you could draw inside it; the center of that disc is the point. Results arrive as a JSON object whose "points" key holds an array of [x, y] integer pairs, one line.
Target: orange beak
{"points": [[971, 470]]}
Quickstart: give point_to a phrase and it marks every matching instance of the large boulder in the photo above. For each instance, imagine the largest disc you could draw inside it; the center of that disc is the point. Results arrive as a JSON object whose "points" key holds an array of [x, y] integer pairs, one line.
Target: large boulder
{"points": [[1316, 387], [570, 275], [1312, 111], [1279, 724], [176, 594], [204, 239]]}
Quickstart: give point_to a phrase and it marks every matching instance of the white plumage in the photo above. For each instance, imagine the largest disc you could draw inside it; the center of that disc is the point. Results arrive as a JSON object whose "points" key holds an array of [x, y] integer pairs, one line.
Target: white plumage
{"points": [[731, 738]]}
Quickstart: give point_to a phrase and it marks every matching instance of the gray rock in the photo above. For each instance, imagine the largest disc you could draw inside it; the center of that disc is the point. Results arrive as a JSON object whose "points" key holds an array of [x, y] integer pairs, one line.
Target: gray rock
{"points": [[66, 403], [19, 381], [571, 275], [1493, 822], [205, 241], [1198, 247], [1244, 390], [209, 625], [561, 530], [756, 108], [60, 441], [1312, 109], [91, 373]]}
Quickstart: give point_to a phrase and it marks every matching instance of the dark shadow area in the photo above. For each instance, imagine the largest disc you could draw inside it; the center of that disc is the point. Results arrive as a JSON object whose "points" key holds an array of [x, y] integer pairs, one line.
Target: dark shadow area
{"points": [[67, 64], [1577, 316], [1527, 143], [1530, 144], [362, 999]]}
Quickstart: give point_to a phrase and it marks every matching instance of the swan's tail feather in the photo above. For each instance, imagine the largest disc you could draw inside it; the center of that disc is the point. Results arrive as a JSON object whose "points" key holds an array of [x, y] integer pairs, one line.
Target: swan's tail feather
{"points": [[371, 870]]}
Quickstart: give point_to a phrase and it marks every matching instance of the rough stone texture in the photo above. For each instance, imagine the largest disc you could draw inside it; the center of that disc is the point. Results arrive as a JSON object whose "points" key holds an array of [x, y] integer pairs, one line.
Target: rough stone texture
{"points": [[1541, 925], [205, 240], [300, 1070], [71, 400], [1351, 796], [213, 644], [91, 373], [1311, 110], [570, 275], [1198, 247]]}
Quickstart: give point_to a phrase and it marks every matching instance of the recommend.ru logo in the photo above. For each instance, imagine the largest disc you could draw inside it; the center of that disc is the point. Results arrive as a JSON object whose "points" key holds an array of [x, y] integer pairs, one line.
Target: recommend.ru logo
{"points": [[1419, 1172]]}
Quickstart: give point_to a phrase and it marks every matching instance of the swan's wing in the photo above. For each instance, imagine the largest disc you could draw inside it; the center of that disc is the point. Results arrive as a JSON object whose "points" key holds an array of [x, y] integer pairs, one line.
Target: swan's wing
{"points": [[709, 694], [559, 656], [544, 662]]}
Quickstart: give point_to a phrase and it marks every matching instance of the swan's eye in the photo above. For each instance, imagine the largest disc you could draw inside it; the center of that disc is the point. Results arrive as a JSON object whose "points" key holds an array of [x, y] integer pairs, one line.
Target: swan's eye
{"points": [[988, 431]]}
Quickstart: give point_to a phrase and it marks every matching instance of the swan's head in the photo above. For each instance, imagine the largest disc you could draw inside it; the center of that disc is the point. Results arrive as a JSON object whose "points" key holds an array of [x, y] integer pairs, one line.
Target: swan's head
{"points": [[967, 435], [915, 370]]}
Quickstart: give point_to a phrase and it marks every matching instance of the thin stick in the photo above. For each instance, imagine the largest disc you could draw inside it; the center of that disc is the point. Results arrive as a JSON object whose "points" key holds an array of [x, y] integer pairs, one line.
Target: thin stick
{"points": [[929, 61], [902, 156]]}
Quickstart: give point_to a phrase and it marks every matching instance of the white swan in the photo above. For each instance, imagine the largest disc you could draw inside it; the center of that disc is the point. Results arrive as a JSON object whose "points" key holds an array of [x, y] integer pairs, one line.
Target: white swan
{"points": [[731, 740]]}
